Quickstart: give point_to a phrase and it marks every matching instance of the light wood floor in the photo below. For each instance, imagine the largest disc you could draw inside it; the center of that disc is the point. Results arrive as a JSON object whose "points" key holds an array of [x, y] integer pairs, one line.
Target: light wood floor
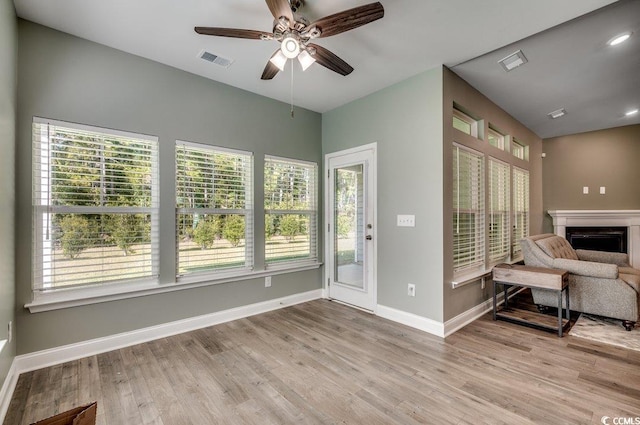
{"points": [[323, 363]]}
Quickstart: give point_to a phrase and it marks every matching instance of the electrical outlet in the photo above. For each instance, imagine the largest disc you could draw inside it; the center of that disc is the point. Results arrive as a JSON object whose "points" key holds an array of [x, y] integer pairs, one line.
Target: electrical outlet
{"points": [[585, 190], [10, 331], [411, 290], [267, 282]]}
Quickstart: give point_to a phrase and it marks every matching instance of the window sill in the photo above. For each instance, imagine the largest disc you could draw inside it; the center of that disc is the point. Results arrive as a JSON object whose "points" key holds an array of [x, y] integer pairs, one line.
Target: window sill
{"points": [[60, 299], [478, 275], [469, 278]]}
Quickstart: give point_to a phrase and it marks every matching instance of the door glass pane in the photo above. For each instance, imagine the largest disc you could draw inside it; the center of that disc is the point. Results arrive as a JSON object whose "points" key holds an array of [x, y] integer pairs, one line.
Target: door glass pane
{"points": [[349, 226]]}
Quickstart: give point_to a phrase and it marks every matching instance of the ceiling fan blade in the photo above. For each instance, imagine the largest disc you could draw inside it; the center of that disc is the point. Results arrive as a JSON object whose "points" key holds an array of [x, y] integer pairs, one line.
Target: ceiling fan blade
{"points": [[233, 32], [349, 19], [280, 8], [330, 60], [270, 70]]}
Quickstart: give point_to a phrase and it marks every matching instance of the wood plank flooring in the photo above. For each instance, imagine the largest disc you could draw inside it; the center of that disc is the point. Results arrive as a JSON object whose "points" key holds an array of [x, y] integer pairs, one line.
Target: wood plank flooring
{"points": [[323, 363]]}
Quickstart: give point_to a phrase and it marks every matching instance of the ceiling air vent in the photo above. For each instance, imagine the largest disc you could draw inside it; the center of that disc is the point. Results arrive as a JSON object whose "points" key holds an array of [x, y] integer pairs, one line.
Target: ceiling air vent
{"points": [[512, 61], [218, 60], [557, 113]]}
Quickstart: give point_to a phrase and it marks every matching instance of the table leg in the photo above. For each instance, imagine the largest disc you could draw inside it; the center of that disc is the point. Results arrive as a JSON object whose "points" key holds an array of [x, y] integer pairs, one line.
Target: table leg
{"points": [[560, 313], [506, 298], [568, 308], [495, 301]]}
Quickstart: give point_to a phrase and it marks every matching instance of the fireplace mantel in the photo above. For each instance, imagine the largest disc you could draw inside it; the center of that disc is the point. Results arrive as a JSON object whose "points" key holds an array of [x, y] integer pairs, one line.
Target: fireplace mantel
{"points": [[601, 218]]}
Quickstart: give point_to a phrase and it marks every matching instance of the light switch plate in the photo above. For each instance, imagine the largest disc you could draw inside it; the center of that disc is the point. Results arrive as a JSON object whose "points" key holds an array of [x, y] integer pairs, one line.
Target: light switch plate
{"points": [[603, 190], [585, 190], [406, 220]]}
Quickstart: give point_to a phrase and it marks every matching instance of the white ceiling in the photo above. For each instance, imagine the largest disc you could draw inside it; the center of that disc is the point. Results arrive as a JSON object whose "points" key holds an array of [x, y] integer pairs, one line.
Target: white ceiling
{"points": [[571, 67], [414, 36]]}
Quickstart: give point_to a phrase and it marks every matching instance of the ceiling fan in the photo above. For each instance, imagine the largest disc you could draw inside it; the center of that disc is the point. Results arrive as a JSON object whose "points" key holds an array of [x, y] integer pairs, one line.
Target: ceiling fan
{"points": [[294, 33]]}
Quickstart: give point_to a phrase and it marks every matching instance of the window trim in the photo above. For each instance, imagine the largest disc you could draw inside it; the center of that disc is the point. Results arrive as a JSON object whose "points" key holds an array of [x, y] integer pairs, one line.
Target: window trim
{"points": [[516, 254], [473, 123], [474, 268], [507, 213], [38, 209], [312, 213], [248, 213], [498, 135], [86, 296], [521, 147]]}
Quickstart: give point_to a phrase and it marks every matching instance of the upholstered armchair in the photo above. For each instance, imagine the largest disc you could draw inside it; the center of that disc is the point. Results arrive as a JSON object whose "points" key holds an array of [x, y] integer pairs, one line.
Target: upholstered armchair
{"points": [[600, 283]]}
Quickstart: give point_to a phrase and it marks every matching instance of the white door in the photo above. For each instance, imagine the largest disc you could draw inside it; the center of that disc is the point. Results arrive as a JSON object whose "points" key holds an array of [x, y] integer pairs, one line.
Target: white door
{"points": [[350, 215]]}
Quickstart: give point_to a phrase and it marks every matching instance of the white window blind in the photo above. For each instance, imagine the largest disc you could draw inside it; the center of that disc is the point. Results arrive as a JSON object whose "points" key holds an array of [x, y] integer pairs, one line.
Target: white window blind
{"points": [[290, 199], [468, 210], [520, 209], [499, 191], [214, 200], [95, 206]]}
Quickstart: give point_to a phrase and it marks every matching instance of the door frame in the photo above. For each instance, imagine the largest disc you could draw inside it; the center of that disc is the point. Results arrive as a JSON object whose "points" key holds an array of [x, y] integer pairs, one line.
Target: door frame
{"points": [[328, 264]]}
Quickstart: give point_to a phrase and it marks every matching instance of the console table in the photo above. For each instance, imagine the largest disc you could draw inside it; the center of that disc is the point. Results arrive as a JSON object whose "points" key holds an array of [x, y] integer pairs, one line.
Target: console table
{"points": [[531, 277]]}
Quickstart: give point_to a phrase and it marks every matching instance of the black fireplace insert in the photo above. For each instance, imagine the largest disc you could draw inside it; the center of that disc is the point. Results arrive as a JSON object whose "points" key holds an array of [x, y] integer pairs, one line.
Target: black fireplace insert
{"points": [[611, 239]]}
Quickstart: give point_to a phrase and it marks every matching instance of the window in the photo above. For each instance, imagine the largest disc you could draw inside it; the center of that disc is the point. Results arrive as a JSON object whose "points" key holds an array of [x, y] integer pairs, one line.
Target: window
{"points": [[465, 123], [499, 235], [495, 139], [468, 210], [520, 209], [290, 210], [95, 202], [519, 150], [214, 201]]}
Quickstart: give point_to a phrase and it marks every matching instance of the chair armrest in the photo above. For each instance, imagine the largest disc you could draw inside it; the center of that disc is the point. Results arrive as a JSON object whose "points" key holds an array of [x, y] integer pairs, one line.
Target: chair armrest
{"points": [[617, 258], [587, 268]]}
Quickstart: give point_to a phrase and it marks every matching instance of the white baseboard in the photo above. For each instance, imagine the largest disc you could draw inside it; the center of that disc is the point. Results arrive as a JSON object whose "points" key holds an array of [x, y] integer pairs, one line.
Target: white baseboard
{"points": [[45, 358], [7, 390], [463, 319], [413, 320], [434, 327]]}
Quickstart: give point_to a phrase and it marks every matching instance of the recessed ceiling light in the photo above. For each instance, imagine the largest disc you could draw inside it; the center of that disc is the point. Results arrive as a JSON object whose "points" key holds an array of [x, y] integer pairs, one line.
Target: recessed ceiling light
{"points": [[632, 112], [512, 61], [620, 38], [557, 113]]}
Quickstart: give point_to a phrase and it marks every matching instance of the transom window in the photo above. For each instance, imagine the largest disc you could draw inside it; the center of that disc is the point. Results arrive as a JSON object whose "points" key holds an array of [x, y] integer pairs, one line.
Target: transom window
{"points": [[465, 123], [495, 138], [290, 202], [518, 149], [214, 201], [95, 202]]}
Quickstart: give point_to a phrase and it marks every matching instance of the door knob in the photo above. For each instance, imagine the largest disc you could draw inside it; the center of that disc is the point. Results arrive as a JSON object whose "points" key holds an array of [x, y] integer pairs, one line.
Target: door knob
{"points": [[369, 237]]}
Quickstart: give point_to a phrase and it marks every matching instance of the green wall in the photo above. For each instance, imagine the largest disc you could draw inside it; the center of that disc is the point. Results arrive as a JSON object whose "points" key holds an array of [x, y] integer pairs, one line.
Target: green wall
{"points": [[8, 85], [66, 78], [606, 158], [406, 122]]}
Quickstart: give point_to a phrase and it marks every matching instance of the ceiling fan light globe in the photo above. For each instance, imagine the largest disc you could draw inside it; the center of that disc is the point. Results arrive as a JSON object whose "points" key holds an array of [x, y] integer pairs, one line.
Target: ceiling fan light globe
{"points": [[279, 60], [305, 59], [290, 47]]}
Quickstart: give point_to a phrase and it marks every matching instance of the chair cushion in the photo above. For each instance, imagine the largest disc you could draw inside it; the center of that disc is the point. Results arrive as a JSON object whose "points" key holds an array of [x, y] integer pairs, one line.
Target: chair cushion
{"points": [[557, 247]]}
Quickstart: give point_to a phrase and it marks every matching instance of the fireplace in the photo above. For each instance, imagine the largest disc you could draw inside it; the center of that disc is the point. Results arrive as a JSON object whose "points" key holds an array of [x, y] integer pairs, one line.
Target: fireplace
{"points": [[611, 239], [612, 219]]}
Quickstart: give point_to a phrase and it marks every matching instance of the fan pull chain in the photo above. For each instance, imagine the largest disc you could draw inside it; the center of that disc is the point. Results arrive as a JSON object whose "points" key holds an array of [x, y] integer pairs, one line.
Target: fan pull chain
{"points": [[291, 89]]}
